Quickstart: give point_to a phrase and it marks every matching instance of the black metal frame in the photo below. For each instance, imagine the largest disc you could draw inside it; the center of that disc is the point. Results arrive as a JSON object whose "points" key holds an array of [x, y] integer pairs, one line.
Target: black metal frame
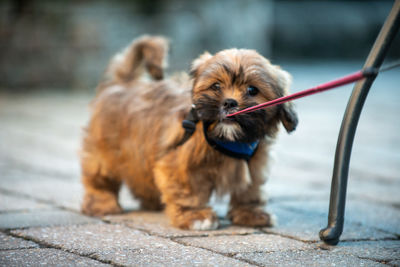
{"points": [[332, 232]]}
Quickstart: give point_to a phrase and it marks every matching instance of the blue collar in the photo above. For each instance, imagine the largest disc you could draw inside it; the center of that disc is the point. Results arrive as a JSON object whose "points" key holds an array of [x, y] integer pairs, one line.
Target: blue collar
{"points": [[244, 150], [233, 149]]}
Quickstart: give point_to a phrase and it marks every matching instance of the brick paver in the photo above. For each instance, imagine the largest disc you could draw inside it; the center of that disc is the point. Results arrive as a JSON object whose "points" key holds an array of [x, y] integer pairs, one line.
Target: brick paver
{"points": [[10, 203], [381, 250], [45, 257], [359, 213], [315, 257], [125, 246], [245, 243], [42, 218], [157, 223], [8, 242], [304, 223]]}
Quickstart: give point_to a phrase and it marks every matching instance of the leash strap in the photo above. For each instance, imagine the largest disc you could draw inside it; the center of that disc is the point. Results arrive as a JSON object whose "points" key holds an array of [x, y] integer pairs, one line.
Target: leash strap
{"points": [[367, 72], [317, 89]]}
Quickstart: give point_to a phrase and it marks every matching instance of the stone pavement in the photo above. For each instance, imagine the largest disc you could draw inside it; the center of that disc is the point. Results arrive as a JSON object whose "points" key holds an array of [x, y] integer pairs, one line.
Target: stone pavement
{"points": [[40, 191]]}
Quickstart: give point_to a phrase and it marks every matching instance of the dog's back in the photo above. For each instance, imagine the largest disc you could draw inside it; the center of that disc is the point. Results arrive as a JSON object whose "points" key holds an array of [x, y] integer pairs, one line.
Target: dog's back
{"points": [[125, 130]]}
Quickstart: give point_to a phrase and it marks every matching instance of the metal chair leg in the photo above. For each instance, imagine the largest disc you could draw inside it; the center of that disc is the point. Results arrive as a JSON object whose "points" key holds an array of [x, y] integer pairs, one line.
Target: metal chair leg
{"points": [[332, 232]]}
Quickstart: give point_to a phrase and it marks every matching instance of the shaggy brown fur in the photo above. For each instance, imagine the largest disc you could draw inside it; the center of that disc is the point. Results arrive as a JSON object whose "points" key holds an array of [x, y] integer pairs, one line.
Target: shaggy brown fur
{"points": [[135, 127]]}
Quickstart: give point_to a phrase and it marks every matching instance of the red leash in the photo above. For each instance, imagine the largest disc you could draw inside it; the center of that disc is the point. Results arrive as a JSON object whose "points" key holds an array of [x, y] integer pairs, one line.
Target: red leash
{"points": [[368, 72]]}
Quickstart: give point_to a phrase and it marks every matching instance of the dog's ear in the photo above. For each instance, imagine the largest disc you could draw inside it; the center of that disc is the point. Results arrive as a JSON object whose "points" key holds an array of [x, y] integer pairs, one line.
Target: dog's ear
{"points": [[288, 117], [287, 113], [198, 62]]}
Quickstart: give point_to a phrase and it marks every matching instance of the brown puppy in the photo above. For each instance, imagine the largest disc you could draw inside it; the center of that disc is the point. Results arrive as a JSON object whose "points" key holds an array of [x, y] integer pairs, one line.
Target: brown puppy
{"points": [[135, 135]]}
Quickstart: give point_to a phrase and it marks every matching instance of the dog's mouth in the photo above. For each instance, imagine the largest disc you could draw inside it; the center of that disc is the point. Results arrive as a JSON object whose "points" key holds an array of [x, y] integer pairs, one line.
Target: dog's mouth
{"points": [[224, 115], [227, 121]]}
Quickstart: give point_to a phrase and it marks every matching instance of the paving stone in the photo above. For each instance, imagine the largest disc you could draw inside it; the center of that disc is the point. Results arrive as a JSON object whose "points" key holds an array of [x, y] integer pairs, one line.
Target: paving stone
{"points": [[395, 263], [70, 109], [297, 176], [297, 154], [61, 192], [305, 225], [53, 217], [15, 203], [157, 223], [244, 243], [40, 152], [66, 193], [377, 215], [364, 213], [52, 119], [305, 258], [278, 189], [374, 190], [175, 256], [125, 246], [377, 250], [44, 257], [310, 179], [10, 242]]}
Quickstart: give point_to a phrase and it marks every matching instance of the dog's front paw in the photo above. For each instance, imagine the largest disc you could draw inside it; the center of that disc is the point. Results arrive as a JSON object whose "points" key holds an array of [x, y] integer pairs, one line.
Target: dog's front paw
{"points": [[195, 219], [205, 224], [100, 205], [247, 216]]}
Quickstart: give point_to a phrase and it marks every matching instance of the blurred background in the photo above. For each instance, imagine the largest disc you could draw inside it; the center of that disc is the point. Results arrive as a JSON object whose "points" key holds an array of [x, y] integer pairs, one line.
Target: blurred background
{"points": [[66, 44]]}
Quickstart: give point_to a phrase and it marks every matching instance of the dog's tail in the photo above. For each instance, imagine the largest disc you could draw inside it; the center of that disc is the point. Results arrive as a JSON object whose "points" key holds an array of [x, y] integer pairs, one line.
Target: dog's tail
{"points": [[144, 53]]}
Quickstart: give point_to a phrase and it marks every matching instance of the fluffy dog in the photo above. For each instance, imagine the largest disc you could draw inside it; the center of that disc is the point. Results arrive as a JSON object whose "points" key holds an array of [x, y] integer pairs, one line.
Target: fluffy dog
{"points": [[135, 135]]}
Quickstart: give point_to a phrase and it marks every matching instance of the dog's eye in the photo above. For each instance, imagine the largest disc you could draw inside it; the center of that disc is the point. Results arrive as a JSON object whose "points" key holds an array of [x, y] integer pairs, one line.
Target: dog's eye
{"points": [[216, 86], [251, 90]]}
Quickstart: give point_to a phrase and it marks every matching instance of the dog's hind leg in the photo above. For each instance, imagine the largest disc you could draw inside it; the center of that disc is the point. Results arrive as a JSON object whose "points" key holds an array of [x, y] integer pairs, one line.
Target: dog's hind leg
{"points": [[143, 188], [152, 202], [101, 192], [101, 196]]}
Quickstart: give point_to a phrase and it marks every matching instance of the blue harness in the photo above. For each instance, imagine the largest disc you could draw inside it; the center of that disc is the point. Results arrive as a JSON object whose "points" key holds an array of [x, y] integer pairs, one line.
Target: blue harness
{"points": [[241, 150], [232, 149]]}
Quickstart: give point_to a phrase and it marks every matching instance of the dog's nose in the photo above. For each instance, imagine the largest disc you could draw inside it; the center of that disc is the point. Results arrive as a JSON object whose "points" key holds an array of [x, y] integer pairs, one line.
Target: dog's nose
{"points": [[230, 103]]}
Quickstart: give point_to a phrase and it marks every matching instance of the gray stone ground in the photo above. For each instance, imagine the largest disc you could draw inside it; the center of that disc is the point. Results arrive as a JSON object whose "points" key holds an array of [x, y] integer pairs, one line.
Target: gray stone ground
{"points": [[40, 191]]}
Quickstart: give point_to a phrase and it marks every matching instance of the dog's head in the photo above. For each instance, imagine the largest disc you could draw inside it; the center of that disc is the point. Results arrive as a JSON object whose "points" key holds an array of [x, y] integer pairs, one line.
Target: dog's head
{"points": [[235, 79]]}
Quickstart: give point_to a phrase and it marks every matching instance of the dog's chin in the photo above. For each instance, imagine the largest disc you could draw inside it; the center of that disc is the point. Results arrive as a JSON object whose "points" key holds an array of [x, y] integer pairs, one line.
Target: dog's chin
{"points": [[241, 129], [227, 130]]}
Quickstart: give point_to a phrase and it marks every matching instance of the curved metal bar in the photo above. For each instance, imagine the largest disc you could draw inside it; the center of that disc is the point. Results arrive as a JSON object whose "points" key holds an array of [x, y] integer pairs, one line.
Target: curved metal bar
{"points": [[332, 232]]}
